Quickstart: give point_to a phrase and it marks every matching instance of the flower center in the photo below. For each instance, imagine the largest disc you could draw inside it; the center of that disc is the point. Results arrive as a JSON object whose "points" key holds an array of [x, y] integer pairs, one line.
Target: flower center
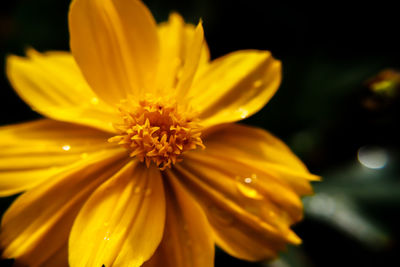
{"points": [[157, 131]]}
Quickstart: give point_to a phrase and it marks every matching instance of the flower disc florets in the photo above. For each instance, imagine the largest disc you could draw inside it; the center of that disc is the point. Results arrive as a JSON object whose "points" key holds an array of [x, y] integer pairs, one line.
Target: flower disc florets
{"points": [[157, 131]]}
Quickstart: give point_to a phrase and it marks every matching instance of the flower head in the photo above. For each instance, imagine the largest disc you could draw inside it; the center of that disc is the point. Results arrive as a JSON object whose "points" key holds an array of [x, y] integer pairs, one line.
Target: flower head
{"points": [[139, 162], [158, 131]]}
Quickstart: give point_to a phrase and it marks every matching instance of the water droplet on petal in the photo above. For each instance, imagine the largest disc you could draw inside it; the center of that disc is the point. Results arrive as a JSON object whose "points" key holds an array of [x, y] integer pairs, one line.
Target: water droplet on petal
{"points": [[257, 83], [244, 186], [84, 155], [253, 209], [66, 147], [107, 236], [179, 73], [177, 62], [137, 190], [148, 192], [247, 180], [221, 216], [243, 113], [249, 192], [94, 100]]}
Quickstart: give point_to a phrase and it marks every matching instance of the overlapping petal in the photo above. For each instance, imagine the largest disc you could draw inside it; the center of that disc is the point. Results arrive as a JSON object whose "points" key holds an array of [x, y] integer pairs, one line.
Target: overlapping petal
{"points": [[249, 205], [115, 43], [177, 49], [33, 152], [52, 85], [36, 227], [235, 86], [59, 258], [122, 223], [187, 239], [191, 64], [258, 148]]}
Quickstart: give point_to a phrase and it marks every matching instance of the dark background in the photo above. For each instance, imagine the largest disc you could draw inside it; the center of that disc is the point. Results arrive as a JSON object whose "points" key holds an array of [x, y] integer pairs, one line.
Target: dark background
{"points": [[325, 109]]}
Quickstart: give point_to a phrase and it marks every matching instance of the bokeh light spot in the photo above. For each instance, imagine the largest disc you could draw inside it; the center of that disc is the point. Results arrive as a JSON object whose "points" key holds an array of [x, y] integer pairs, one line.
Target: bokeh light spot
{"points": [[372, 157]]}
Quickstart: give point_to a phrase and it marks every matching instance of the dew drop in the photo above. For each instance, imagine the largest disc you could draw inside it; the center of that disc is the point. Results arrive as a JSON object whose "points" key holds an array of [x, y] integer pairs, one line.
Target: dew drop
{"points": [[252, 209], [94, 100], [222, 217], [148, 192], [66, 147], [84, 155], [244, 187], [137, 190], [243, 112], [179, 73], [270, 215], [107, 236], [248, 191], [247, 180], [257, 83], [177, 62]]}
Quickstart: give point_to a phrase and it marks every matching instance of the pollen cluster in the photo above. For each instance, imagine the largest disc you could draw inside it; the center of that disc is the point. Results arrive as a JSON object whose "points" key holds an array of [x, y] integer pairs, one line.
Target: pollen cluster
{"points": [[157, 131]]}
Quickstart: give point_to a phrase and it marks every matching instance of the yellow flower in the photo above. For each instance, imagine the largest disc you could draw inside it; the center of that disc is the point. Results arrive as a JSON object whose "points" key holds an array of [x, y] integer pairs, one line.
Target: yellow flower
{"points": [[139, 161]]}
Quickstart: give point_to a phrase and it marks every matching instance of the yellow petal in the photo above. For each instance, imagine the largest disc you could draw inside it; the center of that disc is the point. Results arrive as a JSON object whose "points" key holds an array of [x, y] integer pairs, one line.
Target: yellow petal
{"points": [[176, 40], [189, 34], [122, 223], [257, 147], [188, 238], [191, 63], [59, 258], [52, 85], [35, 151], [116, 46], [250, 207], [36, 227], [235, 86], [177, 49], [172, 44], [239, 229]]}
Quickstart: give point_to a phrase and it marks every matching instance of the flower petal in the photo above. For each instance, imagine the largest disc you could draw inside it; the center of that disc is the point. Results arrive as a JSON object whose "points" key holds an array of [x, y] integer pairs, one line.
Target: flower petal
{"points": [[175, 39], [191, 64], [257, 147], [249, 206], [235, 86], [35, 151], [52, 85], [59, 258], [188, 239], [122, 223], [116, 46], [36, 227]]}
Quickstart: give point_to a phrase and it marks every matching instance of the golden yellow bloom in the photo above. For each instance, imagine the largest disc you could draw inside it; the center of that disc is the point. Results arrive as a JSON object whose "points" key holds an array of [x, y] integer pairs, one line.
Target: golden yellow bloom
{"points": [[139, 161]]}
